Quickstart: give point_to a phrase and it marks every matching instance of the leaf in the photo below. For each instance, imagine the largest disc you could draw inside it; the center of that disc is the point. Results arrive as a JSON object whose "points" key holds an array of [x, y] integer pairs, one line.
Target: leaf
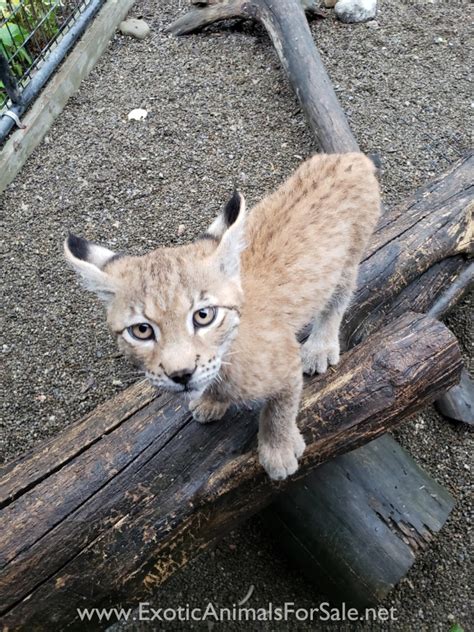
{"points": [[19, 34], [456, 628], [24, 55], [12, 37]]}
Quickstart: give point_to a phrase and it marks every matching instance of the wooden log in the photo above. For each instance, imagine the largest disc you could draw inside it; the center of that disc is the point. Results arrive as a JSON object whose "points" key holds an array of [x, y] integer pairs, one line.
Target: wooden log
{"points": [[419, 255], [451, 196], [123, 515], [289, 31], [206, 12], [461, 282], [355, 525]]}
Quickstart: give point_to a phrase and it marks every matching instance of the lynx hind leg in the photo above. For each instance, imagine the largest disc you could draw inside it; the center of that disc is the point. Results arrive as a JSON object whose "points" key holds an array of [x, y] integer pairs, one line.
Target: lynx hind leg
{"points": [[322, 348], [280, 443]]}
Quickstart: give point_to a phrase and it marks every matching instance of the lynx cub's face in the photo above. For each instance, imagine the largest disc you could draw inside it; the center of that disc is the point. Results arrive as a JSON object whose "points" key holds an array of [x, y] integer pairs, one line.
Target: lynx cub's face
{"points": [[175, 311]]}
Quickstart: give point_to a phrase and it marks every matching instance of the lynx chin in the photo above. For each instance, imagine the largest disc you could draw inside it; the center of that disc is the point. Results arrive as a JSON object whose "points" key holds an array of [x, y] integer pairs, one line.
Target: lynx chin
{"points": [[218, 318]]}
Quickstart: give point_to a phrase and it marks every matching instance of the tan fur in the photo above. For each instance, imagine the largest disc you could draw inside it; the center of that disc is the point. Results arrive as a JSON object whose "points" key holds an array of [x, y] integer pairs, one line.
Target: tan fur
{"points": [[303, 245]]}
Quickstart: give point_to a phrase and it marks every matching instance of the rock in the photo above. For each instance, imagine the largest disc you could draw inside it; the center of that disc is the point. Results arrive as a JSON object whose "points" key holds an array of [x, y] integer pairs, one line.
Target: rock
{"points": [[181, 229], [138, 29], [139, 114], [350, 11], [373, 24]]}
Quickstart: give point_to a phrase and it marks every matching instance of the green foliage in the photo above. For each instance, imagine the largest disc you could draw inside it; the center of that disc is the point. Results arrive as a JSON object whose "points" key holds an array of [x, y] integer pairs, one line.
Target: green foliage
{"points": [[456, 628], [26, 27]]}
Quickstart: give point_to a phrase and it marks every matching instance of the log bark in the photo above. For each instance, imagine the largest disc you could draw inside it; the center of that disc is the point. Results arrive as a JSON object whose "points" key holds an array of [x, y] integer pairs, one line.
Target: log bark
{"points": [[355, 525], [124, 514], [420, 254]]}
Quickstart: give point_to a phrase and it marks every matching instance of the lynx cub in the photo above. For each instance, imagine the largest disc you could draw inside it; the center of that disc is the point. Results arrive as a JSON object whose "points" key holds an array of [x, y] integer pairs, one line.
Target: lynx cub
{"points": [[218, 318]]}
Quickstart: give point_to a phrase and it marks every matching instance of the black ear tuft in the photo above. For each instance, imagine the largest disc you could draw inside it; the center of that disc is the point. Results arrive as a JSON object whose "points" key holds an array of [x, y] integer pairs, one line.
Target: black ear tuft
{"points": [[232, 208], [78, 246]]}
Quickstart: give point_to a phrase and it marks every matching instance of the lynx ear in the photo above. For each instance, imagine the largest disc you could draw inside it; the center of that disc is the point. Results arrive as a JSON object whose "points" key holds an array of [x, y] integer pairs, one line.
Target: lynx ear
{"points": [[229, 228], [88, 260]]}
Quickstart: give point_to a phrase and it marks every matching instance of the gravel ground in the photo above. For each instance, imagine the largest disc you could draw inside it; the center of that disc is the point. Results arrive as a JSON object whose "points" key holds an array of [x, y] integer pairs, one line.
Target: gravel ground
{"points": [[221, 112]]}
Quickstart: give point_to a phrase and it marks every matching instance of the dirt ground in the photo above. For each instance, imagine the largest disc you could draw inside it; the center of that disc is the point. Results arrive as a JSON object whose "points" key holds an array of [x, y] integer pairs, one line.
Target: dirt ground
{"points": [[221, 112]]}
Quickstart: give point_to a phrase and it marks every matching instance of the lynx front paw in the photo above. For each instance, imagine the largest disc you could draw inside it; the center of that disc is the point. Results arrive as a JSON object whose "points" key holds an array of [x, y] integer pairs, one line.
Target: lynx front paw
{"points": [[205, 410], [281, 461], [317, 358]]}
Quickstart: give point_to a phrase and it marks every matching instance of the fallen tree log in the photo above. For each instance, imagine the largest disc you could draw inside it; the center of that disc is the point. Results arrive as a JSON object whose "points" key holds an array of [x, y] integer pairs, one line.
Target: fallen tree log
{"points": [[124, 514]]}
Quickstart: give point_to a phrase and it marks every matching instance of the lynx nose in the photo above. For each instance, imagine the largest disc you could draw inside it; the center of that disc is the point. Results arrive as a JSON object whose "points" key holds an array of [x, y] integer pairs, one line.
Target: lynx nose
{"points": [[181, 377]]}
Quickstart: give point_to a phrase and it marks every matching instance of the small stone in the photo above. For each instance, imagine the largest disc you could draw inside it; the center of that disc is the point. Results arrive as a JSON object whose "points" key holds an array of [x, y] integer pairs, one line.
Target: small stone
{"points": [[373, 24], [181, 229], [329, 3], [116, 382], [139, 114], [439, 40], [138, 29], [450, 617]]}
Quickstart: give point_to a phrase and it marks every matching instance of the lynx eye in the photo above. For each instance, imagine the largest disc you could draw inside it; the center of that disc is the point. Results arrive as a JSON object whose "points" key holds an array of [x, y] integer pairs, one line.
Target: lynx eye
{"points": [[142, 331], [204, 316]]}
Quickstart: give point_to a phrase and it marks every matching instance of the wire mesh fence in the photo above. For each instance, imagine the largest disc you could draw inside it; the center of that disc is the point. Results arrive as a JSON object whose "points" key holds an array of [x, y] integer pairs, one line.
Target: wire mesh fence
{"points": [[29, 30]]}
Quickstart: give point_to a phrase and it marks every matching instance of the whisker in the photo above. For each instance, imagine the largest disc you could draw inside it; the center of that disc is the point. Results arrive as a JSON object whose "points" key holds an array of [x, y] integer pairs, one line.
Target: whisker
{"points": [[231, 353]]}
